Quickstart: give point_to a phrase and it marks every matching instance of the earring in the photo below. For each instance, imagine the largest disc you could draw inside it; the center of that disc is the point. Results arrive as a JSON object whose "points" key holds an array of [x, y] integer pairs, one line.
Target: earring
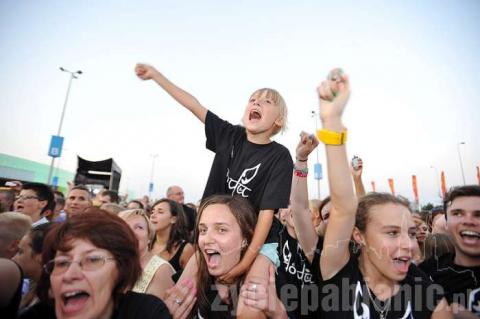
{"points": [[244, 243], [355, 248]]}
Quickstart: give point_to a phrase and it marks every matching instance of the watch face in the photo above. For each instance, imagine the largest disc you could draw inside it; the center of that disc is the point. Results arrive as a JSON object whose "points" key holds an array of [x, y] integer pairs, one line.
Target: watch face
{"points": [[355, 163]]}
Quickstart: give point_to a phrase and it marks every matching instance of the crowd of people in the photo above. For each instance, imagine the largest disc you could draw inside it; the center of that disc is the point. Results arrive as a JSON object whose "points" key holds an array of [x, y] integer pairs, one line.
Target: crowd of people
{"points": [[255, 247]]}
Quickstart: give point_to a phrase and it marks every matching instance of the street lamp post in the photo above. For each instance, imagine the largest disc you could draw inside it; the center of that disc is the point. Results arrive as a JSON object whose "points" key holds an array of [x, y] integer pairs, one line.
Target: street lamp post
{"points": [[315, 118], [460, 160], [73, 75], [150, 186]]}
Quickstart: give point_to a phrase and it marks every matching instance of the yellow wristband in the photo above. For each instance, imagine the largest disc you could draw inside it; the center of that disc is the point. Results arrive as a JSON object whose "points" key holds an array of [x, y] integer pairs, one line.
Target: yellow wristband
{"points": [[332, 138]]}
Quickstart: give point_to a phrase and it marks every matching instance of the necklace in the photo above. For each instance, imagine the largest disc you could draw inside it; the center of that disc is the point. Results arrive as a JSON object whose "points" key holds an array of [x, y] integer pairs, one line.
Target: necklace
{"points": [[382, 311]]}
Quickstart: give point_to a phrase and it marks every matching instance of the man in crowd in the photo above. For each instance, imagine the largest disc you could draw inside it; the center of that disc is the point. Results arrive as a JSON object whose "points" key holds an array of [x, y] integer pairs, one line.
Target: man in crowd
{"points": [[438, 221], [7, 197], [78, 199], [13, 226], [107, 196], [176, 194], [459, 273], [58, 213], [35, 200]]}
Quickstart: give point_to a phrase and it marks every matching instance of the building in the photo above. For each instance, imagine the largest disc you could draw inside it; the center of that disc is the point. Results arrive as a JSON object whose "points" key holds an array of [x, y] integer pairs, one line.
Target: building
{"points": [[24, 170]]}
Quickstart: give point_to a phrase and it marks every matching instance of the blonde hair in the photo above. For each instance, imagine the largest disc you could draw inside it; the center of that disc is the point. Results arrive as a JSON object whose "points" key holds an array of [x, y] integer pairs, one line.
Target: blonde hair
{"points": [[13, 226], [279, 101], [129, 213], [113, 208]]}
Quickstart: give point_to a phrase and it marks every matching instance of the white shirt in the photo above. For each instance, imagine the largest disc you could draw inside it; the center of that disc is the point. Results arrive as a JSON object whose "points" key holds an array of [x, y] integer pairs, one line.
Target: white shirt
{"points": [[42, 220]]}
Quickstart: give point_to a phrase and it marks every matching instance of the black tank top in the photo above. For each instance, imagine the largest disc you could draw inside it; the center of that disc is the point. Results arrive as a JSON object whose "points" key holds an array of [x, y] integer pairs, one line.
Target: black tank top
{"points": [[175, 260]]}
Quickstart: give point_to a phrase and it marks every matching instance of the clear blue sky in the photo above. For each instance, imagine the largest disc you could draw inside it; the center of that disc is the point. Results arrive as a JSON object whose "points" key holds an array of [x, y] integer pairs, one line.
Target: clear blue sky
{"points": [[413, 65]]}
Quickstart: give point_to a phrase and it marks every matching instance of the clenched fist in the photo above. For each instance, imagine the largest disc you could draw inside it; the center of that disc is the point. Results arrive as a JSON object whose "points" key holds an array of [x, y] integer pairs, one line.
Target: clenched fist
{"points": [[145, 71]]}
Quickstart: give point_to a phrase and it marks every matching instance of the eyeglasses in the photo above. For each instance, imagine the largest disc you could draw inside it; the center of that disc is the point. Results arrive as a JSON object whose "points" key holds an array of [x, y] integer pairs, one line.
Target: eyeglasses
{"points": [[25, 197], [59, 266]]}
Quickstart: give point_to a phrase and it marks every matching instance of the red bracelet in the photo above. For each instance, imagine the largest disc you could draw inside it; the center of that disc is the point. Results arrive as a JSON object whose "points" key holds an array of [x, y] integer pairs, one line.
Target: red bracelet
{"points": [[301, 172]]}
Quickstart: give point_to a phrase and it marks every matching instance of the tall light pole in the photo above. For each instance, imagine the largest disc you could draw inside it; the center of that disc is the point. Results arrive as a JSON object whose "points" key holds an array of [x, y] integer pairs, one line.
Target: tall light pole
{"points": [[56, 152], [315, 118], [150, 186], [460, 160], [437, 177]]}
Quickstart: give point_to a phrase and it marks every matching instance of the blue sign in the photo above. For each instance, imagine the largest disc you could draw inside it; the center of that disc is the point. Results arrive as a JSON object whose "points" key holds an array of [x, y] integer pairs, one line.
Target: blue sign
{"points": [[150, 187], [317, 171], [56, 144], [55, 181]]}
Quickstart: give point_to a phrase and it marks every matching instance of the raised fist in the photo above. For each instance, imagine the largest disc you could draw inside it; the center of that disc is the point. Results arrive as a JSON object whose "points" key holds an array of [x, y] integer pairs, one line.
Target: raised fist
{"points": [[145, 71], [333, 93]]}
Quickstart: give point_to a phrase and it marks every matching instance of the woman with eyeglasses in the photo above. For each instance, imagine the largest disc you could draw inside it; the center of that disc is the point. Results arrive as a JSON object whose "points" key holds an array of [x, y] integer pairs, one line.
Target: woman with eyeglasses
{"points": [[157, 272], [91, 261], [37, 201]]}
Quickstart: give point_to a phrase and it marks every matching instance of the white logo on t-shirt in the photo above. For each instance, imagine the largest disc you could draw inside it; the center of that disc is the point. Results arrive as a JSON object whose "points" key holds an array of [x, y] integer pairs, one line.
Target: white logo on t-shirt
{"points": [[366, 311], [239, 186], [303, 273], [358, 299], [474, 301]]}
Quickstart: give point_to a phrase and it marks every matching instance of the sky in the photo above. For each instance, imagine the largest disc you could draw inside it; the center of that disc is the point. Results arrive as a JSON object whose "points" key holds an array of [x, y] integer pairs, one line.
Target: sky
{"points": [[413, 66]]}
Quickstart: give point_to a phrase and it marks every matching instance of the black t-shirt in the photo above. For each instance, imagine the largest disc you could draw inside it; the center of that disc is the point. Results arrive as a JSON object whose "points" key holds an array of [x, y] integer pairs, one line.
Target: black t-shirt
{"points": [[131, 305], [461, 284], [297, 286], [347, 296], [260, 172]]}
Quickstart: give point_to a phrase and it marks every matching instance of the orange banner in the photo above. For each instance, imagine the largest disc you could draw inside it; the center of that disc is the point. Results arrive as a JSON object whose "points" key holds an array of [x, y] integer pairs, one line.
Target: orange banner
{"points": [[443, 185], [415, 189], [392, 186], [373, 186], [478, 175]]}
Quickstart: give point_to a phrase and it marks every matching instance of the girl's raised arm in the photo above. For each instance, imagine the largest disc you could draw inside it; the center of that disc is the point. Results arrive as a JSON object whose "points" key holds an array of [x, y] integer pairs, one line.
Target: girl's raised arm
{"points": [[333, 94]]}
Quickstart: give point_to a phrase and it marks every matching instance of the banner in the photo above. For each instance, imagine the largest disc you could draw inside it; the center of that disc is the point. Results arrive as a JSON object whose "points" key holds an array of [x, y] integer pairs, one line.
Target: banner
{"points": [[55, 148], [415, 189], [443, 185], [317, 171], [373, 186], [392, 186]]}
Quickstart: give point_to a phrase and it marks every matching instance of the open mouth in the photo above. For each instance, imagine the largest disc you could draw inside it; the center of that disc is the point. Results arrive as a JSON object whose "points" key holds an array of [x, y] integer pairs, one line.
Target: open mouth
{"points": [[213, 258], [74, 301], [470, 236], [255, 115], [19, 208], [402, 263]]}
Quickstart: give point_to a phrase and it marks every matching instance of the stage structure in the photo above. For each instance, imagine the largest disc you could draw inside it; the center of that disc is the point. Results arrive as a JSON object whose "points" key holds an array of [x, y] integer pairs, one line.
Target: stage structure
{"points": [[104, 173]]}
